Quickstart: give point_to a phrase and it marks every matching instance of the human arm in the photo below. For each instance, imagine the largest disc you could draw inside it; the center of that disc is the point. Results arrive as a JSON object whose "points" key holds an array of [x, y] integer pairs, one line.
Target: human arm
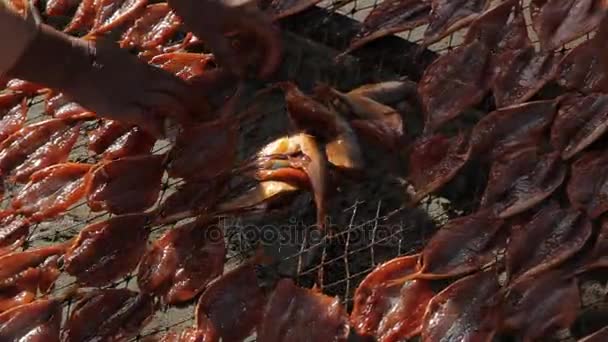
{"points": [[95, 73]]}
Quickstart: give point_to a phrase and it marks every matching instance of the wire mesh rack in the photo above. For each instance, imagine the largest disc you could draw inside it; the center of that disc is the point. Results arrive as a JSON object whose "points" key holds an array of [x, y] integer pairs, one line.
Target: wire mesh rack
{"points": [[370, 221]]}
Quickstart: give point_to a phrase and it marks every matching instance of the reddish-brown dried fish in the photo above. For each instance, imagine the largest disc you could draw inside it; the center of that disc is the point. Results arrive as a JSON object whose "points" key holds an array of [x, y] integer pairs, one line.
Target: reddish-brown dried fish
{"points": [[135, 142], [60, 7], [377, 121], [13, 116], [204, 151], [108, 315], [389, 312], [580, 121], [56, 150], [111, 14], [522, 179], [388, 92], [464, 311], [556, 234], [389, 17], [9, 99], [561, 21], [598, 336], [25, 87], [539, 306], [582, 69], [154, 28], [453, 83], [182, 262], [37, 146], [105, 135], [257, 197], [503, 28], [233, 305], [126, 185], [342, 149], [108, 250], [60, 106], [434, 160], [588, 184], [83, 18], [598, 256], [448, 16], [292, 311], [37, 321], [22, 274], [51, 191], [191, 335], [463, 245], [190, 200], [523, 75], [511, 128], [184, 64], [13, 231]]}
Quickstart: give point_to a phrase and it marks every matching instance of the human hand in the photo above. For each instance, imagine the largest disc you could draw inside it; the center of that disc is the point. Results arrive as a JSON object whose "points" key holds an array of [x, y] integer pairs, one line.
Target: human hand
{"points": [[212, 20], [109, 81]]}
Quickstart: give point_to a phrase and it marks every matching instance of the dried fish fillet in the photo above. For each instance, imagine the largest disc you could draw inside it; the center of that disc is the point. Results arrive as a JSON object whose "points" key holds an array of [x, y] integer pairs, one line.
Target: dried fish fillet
{"points": [[126, 185], [434, 161], [23, 274], [389, 312], [134, 142], [464, 311], [52, 191], [463, 245], [388, 92], [186, 65], [556, 234], [539, 306], [292, 311], [111, 14], [108, 250], [261, 194], [448, 16], [83, 18], [60, 7], [191, 335], [60, 106], [580, 121], [190, 200], [183, 261], [512, 128], [25, 87], [389, 17], [342, 149], [598, 255], [520, 180], [453, 83], [502, 28], [36, 321], [523, 74], [154, 28], [588, 184], [582, 68], [108, 315], [13, 231], [13, 118], [36, 146], [233, 305], [561, 21], [105, 135]]}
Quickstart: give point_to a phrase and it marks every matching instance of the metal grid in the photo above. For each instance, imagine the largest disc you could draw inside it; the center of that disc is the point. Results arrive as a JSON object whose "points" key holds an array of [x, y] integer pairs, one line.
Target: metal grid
{"points": [[372, 225]]}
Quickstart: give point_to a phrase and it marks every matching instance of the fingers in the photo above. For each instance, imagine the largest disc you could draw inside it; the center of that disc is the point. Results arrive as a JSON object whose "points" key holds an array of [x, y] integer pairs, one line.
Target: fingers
{"points": [[139, 116]]}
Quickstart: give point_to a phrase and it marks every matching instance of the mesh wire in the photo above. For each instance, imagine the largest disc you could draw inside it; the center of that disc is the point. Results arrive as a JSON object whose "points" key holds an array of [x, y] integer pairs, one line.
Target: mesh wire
{"points": [[372, 224]]}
